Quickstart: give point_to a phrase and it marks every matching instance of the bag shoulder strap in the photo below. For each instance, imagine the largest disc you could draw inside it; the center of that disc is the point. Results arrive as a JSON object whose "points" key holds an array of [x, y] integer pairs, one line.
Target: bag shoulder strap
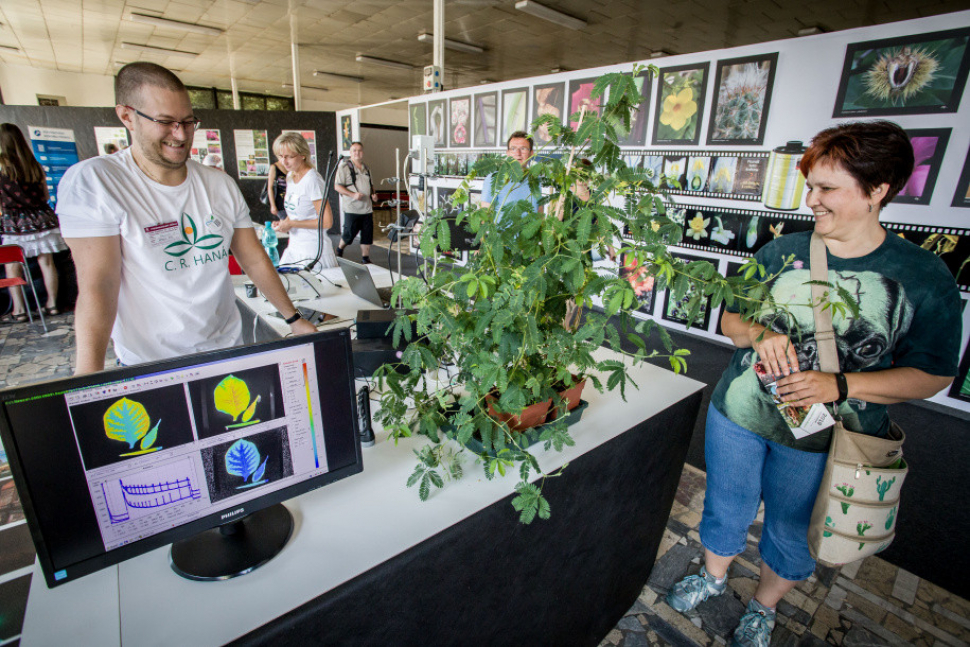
{"points": [[828, 356]]}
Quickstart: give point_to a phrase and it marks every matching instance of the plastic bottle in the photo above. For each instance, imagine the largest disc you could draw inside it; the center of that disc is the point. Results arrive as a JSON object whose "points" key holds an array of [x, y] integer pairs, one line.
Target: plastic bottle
{"points": [[270, 241]]}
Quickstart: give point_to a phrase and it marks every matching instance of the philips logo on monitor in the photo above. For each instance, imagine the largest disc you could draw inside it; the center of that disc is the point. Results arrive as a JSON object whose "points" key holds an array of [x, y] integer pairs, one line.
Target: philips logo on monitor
{"points": [[234, 513]]}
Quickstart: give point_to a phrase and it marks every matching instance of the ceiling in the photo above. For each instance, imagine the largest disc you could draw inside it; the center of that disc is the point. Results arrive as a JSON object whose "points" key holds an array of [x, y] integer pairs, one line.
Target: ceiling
{"points": [[87, 36]]}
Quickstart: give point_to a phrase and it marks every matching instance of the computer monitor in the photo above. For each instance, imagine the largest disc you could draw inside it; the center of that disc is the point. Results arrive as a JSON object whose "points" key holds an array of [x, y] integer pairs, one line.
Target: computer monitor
{"points": [[199, 451]]}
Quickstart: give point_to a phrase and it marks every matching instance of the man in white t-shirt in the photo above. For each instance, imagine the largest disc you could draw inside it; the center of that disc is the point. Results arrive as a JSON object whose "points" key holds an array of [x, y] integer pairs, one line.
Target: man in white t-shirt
{"points": [[150, 232]]}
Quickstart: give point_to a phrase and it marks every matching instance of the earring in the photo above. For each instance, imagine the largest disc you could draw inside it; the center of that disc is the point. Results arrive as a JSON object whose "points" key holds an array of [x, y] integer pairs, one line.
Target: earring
{"points": [[870, 208]]}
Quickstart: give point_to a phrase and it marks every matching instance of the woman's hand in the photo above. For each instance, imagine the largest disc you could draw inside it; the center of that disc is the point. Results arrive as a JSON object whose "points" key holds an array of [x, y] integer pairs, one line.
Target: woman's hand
{"points": [[283, 226], [806, 388], [775, 350]]}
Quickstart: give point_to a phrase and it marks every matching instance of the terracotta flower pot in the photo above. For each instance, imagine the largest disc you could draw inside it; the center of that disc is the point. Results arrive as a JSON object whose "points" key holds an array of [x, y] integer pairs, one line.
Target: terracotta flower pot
{"points": [[531, 416], [572, 394]]}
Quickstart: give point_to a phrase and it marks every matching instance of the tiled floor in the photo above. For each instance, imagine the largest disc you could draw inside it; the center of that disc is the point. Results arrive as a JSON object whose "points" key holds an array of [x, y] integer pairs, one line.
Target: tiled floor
{"points": [[868, 603]]}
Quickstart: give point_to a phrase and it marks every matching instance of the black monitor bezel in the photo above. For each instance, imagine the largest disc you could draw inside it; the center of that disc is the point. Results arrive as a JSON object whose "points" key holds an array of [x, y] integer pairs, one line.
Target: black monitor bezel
{"points": [[124, 553]]}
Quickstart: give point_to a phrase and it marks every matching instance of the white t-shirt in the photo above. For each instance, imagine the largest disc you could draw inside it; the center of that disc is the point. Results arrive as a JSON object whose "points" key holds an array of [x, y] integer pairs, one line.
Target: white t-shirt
{"points": [[302, 245], [176, 295]]}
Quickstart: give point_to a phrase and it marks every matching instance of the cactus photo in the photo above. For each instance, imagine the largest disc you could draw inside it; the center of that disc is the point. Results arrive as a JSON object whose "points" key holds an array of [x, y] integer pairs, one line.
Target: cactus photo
{"points": [[740, 110]]}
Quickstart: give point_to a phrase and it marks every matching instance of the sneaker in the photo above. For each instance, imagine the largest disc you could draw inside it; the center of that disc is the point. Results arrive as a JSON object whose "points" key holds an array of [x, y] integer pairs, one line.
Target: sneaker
{"points": [[694, 589], [340, 251], [365, 260], [756, 626]]}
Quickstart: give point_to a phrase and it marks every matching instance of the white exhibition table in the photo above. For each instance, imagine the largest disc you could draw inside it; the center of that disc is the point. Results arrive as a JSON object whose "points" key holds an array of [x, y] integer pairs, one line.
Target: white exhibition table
{"points": [[341, 531]]}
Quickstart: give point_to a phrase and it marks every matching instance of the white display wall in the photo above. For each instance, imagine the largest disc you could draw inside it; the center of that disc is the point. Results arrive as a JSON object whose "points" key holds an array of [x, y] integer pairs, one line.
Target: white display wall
{"points": [[818, 81]]}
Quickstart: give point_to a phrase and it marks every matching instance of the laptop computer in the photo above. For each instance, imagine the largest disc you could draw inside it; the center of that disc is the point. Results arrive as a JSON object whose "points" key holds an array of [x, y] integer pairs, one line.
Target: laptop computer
{"points": [[362, 283]]}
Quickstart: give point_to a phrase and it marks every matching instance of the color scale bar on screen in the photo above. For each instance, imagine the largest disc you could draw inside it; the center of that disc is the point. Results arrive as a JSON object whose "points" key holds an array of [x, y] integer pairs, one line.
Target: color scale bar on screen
{"points": [[309, 406]]}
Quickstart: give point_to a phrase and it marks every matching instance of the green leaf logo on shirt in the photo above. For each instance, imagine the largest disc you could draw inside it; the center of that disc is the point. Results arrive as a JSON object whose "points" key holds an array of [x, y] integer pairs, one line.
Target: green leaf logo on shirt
{"points": [[191, 238]]}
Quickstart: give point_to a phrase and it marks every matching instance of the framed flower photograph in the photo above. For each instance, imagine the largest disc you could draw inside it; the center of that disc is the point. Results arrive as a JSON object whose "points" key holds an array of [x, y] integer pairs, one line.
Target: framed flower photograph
{"points": [[438, 123], [639, 119], [929, 145], [679, 310], [581, 96], [905, 75], [515, 112], [485, 117], [547, 100], [740, 111], [962, 196], [733, 269], [346, 132], [641, 282], [418, 118], [459, 120], [680, 104]]}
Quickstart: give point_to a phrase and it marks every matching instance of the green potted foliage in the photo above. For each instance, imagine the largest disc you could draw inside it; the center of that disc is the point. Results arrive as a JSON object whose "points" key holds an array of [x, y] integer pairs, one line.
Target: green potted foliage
{"points": [[514, 325]]}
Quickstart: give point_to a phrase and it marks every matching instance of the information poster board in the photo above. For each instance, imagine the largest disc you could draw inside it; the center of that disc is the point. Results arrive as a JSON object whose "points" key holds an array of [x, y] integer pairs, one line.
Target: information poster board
{"points": [[252, 154], [205, 142], [110, 139], [311, 138], [56, 150]]}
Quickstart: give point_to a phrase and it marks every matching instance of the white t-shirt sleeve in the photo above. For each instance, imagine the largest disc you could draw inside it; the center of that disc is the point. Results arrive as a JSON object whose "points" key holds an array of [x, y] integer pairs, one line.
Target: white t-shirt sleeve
{"points": [[315, 190], [84, 207]]}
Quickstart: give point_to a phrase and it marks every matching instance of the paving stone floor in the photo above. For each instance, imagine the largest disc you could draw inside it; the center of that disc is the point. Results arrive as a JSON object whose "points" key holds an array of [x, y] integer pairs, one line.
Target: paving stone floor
{"points": [[865, 604]]}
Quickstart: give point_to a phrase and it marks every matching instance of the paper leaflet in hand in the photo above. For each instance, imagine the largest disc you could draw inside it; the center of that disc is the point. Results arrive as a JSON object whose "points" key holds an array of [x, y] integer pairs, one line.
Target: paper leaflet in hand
{"points": [[803, 421]]}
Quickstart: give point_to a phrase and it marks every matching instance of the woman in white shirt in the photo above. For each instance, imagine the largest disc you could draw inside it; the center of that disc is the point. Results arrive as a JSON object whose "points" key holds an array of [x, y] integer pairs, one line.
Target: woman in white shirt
{"points": [[304, 198]]}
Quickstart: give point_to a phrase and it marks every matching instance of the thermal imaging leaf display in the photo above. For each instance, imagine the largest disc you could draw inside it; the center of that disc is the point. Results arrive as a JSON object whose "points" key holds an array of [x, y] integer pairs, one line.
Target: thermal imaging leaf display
{"points": [[128, 421], [130, 425], [232, 397], [242, 460]]}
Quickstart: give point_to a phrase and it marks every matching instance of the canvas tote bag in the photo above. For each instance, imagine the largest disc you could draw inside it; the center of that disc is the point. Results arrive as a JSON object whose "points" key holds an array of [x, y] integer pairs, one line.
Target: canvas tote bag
{"points": [[858, 500]]}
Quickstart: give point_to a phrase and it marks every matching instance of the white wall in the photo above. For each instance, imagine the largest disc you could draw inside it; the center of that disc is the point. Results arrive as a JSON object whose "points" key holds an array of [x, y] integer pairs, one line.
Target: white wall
{"points": [[20, 86]]}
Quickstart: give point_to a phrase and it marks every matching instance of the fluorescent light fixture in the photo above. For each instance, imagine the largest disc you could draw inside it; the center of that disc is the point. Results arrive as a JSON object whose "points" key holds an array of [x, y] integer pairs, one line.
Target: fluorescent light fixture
{"points": [[658, 53], [456, 45], [550, 14], [10, 48], [345, 77], [307, 87], [164, 51], [361, 58], [168, 23], [810, 31]]}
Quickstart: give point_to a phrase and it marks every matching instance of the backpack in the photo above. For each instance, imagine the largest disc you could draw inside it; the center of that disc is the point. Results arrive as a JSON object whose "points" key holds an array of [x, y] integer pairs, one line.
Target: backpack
{"points": [[353, 174]]}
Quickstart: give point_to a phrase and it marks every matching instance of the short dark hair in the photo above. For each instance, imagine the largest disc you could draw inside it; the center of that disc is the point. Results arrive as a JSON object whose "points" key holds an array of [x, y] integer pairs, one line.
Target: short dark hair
{"points": [[520, 134], [131, 78], [872, 152], [356, 144]]}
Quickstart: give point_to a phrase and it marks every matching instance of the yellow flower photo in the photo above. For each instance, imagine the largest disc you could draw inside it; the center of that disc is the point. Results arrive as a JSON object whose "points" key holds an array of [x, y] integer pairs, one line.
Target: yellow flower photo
{"points": [[680, 104]]}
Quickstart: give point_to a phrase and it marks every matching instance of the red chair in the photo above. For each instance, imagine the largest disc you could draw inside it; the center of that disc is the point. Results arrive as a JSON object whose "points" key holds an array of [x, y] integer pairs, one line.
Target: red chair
{"points": [[15, 254], [234, 268]]}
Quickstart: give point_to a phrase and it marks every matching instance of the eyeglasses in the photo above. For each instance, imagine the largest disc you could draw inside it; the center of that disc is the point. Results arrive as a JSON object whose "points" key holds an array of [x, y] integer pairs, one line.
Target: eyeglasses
{"points": [[521, 149], [188, 125]]}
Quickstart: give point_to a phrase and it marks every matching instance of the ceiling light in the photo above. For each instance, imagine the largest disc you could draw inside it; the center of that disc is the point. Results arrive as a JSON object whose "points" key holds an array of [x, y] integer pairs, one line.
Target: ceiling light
{"points": [[10, 48], [307, 87], [175, 24], [810, 31], [164, 51], [383, 61], [658, 53], [456, 45], [550, 14], [346, 77]]}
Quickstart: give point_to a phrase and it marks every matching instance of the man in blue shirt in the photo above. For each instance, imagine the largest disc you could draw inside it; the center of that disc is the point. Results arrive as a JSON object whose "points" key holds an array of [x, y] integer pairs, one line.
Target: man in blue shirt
{"points": [[519, 148]]}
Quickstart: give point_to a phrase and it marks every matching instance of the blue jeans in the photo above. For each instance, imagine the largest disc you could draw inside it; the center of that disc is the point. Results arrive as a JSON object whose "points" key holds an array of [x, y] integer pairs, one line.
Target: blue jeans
{"points": [[742, 469]]}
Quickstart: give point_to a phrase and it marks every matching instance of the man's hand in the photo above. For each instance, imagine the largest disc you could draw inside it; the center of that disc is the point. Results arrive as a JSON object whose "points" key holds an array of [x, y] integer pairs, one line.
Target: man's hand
{"points": [[359, 196], [373, 197], [302, 327]]}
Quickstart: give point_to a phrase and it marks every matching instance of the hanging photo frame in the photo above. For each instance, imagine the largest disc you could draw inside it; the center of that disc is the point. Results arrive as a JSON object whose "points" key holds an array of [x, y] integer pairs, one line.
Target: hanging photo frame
{"points": [[739, 114], [680, 104], [459, 120], [642, 282], [438, 122], [906, 75], [676, 310], [418, 118], [515, 112], [346, 133], [580, 96], [639, 119], [485, 118], [547, 99], [929, 146], [961, 198]]}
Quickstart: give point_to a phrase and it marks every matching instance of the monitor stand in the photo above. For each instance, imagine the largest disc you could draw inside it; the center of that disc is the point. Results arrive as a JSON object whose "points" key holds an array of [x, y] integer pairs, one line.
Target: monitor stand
{"points": [[235, 548]]}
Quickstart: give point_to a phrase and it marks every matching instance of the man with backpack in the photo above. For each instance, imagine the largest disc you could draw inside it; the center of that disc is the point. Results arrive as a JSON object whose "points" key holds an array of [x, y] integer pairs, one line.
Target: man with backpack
{"points": [[357, 199]]}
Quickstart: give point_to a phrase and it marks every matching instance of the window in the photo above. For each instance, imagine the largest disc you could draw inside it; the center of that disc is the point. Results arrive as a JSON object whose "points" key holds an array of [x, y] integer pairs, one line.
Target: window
{"points": [[202, 98]]}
